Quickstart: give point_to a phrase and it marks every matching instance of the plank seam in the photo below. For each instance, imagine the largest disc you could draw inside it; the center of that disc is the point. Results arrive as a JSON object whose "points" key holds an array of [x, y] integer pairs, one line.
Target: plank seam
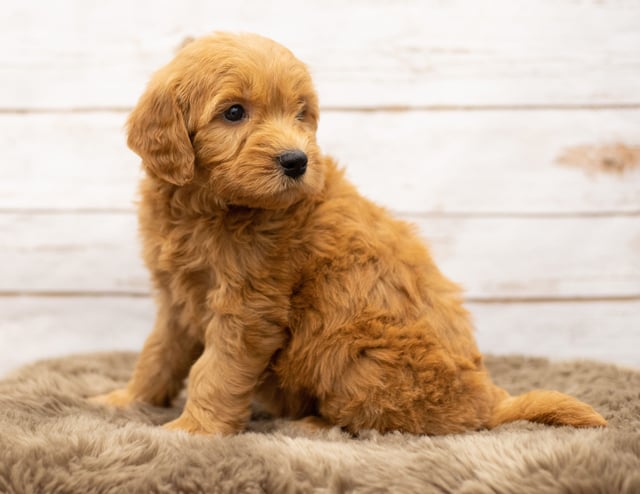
{"points": [[471, 299], [399, 214], [368, 109]]}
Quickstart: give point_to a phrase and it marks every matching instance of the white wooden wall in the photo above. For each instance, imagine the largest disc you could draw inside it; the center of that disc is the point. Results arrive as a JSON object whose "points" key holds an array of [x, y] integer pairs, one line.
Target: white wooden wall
{"points": [[508, 130]]}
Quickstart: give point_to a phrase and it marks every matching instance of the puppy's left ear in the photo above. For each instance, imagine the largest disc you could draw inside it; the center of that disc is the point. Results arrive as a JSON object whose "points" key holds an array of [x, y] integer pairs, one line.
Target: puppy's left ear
{"points": [[158, 134]]}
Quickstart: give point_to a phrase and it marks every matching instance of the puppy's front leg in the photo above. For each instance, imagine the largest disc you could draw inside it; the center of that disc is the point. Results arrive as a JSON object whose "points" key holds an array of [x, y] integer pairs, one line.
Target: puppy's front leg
{"points": [[223, 380]]}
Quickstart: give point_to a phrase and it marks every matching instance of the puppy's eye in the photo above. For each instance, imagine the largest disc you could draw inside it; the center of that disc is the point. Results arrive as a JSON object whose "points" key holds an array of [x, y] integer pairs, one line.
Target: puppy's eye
{"points": [[234, 113], [301, 114]]}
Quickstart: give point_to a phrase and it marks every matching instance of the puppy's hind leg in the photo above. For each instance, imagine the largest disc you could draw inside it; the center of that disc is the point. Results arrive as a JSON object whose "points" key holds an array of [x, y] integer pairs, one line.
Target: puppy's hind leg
{"points": [[164, 362], [271, 398]]}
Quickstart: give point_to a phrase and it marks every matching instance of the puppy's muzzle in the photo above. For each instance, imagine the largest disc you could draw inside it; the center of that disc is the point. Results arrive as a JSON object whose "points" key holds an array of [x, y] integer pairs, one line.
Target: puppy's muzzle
{"points": [[293, 162]]}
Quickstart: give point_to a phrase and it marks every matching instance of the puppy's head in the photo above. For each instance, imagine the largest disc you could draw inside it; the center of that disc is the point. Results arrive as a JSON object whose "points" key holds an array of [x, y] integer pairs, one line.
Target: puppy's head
{"points": [[236, 114]]}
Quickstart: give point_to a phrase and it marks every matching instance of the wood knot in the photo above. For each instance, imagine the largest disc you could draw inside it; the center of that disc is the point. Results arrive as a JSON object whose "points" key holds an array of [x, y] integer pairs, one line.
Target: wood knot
{"points": [[605, 158]]}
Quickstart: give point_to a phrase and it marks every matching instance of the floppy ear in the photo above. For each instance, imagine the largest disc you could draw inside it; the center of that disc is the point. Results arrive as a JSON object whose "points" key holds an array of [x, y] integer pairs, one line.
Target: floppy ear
{"points": [[158, 134]]}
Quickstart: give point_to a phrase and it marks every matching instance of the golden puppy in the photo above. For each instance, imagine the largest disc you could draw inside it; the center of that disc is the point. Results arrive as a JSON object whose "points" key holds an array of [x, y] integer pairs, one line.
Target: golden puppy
{"points": [[276, 281]]}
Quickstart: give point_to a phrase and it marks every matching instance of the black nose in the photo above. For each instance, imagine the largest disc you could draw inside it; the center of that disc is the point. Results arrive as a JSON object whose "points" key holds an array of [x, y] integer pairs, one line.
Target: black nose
{"points": [[293, 162]]}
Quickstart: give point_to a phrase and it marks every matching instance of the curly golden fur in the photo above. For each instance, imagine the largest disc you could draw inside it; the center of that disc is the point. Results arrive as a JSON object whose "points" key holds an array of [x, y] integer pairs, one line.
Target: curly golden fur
{"points": [[288, 287]]}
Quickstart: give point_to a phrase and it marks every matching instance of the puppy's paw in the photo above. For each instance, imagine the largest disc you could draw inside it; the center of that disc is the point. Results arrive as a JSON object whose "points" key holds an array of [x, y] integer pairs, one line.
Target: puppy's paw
{"points": [[311, 424], [118, 398], [187, 423]]}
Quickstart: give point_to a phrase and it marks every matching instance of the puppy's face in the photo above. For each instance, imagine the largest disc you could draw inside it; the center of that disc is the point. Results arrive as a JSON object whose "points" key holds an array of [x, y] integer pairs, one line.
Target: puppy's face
{"points": [[236, 114]]}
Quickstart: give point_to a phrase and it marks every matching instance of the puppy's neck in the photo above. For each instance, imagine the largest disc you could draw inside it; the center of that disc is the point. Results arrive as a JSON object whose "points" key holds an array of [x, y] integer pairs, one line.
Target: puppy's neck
{"points": [[196, 200]]}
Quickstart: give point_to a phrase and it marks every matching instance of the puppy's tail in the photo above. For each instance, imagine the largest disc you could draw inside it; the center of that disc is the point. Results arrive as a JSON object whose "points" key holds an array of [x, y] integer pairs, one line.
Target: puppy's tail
{"points": [[544, 407]]}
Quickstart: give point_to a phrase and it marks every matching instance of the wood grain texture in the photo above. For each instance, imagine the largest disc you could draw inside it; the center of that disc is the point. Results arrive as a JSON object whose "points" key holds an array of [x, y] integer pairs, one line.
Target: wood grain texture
{"points": [[441, 162], [490, 257], [41, 327], [32, 328], [412, 53], [606, 331]]}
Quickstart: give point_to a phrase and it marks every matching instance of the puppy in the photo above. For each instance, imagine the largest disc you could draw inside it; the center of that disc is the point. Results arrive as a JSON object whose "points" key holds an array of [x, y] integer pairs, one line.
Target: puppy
{"points": [[277, 282]]}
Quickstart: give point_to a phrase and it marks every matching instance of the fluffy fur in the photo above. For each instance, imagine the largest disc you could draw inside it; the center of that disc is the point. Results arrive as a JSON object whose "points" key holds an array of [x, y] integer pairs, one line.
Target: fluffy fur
{"points": [[296, 292]]}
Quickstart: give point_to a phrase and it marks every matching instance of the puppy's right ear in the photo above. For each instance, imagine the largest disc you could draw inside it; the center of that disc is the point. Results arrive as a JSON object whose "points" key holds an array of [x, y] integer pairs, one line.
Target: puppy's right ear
{"points": [[158, 134]]}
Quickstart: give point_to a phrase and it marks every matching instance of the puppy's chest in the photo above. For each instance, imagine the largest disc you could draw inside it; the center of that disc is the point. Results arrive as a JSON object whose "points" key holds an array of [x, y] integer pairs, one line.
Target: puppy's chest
{"points": [[214, 257]]}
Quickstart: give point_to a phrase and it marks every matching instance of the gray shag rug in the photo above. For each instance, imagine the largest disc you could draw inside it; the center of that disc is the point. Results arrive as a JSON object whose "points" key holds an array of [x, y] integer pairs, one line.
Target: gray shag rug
{"points": [[53, 441]]}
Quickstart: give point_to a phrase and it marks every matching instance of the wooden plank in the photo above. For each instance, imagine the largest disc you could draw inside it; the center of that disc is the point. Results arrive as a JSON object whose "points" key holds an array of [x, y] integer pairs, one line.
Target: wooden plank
{"points": [[66, 161], [74, 53], [71, 253], [447, 162], [513, 258], [41, 327], [606, 331], [484, 162], [491, 257]]}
